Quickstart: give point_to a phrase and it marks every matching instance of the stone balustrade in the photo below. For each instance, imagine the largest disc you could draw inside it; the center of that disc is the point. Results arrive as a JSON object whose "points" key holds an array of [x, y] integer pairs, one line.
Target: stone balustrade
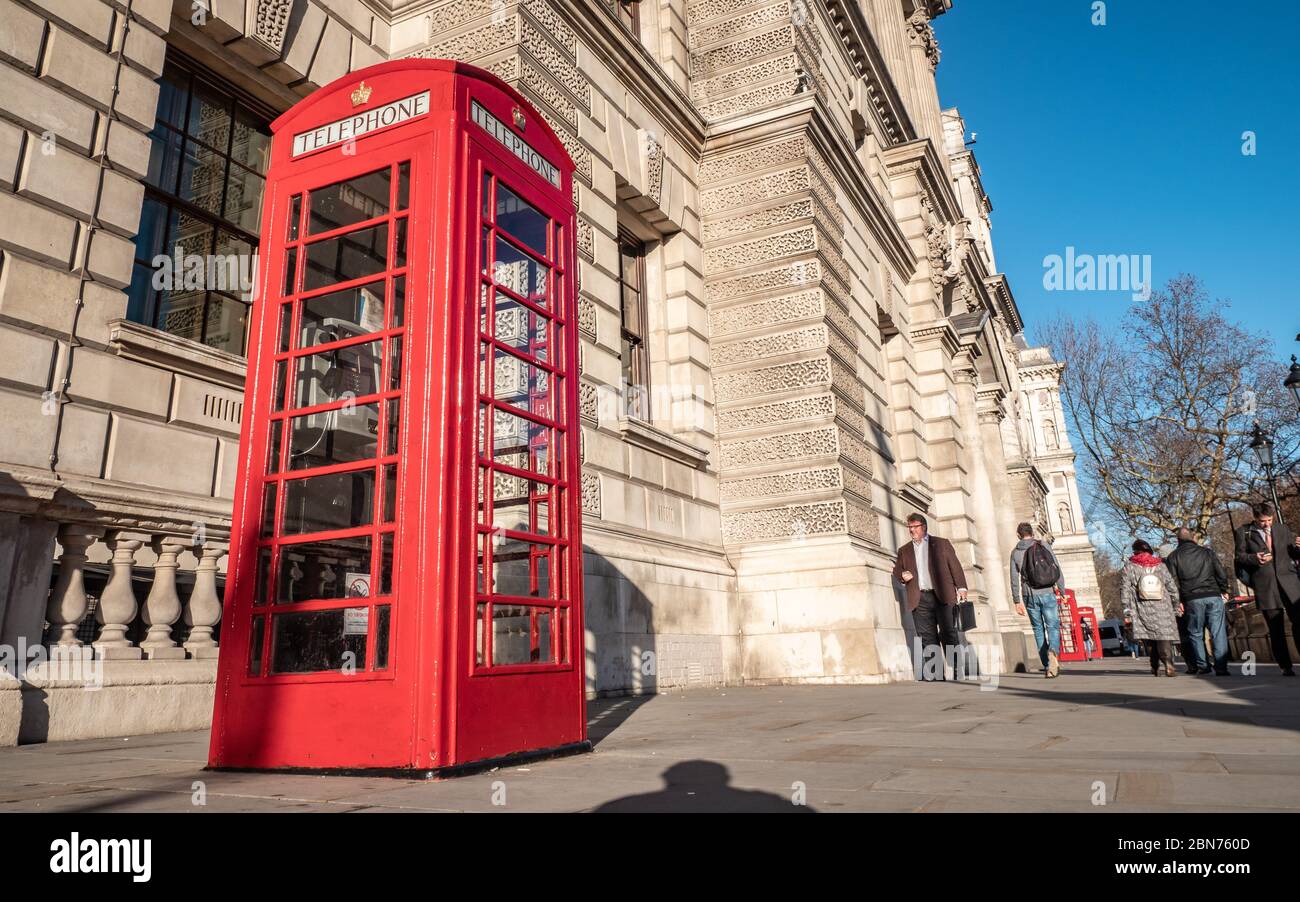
{"points": [[162, 612]]}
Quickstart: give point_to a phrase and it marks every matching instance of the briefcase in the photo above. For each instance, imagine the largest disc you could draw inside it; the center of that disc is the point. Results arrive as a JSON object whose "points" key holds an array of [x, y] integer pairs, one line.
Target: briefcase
{"points": [[963, 616]]}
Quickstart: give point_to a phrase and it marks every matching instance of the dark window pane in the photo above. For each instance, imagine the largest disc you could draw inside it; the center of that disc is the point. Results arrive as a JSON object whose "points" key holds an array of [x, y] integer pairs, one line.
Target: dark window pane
{"points": [[295, 216], [382, 620], [336, 568], [328, 502], [290, 270], [348, 372], [203, 173], [255, 647], [234, 267], [268, 510], [335, 436], [347, 257], [521, 634], [273, 447], [399, 244], [172, 95], [386, 564], [394, 425], [181, 314], [521, 219], [251, 144], [141, 296], [399, 301], [244, 190], [349, 202], [403, 185], [227, 324], [209, 119], [286, 327], [153, 223], [314, 641], [520, 273], [164, 159], [390, 493], [395, 362], [262, 591], [277, 390], [342, 314], [487, 197]]}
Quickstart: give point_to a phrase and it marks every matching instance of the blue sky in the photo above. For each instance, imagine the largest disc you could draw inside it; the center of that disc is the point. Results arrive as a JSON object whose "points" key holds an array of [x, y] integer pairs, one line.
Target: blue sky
{"points": [[1127, 139]]}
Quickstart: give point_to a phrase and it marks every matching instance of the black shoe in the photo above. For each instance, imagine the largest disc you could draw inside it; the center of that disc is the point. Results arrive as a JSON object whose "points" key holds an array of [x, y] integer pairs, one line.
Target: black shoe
{"points": [[1204, 670], [1288, 672], [1223, 673]]}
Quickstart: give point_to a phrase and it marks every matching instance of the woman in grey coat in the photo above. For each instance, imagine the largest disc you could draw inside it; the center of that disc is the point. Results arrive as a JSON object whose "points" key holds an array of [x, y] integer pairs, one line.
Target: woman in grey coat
{"points": [[1152, 613]]}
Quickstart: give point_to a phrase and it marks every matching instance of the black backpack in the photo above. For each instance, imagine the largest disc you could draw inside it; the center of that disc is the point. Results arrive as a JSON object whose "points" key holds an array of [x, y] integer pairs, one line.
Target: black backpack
{"points": [[1039, 568]]}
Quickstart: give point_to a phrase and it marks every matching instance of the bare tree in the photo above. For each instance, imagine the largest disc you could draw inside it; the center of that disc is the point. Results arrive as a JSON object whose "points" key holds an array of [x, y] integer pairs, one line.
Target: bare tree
{"points": [[1163, 402]]}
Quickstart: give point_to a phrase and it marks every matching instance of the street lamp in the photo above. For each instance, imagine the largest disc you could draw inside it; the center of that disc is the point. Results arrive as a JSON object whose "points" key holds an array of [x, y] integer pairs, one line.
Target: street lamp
{"points": [[1293, 381], [1262, 445]]}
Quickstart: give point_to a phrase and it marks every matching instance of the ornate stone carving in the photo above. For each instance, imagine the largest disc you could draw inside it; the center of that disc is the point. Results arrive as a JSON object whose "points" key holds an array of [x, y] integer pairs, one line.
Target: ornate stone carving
{"points": [[778, 413], [591, 494], [270, 20], [783, 377], [921, 33]]}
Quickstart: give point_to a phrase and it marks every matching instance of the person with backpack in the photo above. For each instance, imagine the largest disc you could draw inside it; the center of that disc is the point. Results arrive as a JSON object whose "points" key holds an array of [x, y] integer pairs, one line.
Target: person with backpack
{"points": [[1035, 577], [1203, 587], [1149, 595]]}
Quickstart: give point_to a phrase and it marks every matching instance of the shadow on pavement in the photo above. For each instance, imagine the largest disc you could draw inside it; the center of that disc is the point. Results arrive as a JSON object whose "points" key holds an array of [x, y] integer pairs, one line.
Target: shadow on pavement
{"points": [[702, 786]]}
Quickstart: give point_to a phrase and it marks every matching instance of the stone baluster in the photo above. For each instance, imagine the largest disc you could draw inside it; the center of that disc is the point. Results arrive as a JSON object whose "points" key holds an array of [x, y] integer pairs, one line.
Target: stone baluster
{"points": [[163, 606], [67, 604], [118, 606], [203, 611]]}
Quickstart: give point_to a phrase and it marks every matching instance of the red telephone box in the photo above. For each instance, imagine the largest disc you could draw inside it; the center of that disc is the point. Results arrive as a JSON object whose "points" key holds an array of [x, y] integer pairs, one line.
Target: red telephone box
{"points": [[405, 576], [1071, 635]]}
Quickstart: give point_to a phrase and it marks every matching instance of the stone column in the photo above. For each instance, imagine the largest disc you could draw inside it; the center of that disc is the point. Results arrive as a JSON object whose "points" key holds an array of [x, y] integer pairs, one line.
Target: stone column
{"points": [[118, 607], [203, 611], [991, 538], [67, 605], [163, 606]]}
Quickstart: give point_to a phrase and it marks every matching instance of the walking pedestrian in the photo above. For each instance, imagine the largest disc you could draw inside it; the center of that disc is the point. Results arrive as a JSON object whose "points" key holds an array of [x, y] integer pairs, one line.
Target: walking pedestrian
{"points": [[1266, 553], [1035, 578], [1203, 588], [1149, 595], [933, 582]]}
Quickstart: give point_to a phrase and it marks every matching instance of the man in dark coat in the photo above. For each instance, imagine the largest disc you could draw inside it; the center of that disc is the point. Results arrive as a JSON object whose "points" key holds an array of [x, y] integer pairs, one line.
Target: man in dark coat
{"points": [[1267, 551], [1203, 587], [933, 581]]}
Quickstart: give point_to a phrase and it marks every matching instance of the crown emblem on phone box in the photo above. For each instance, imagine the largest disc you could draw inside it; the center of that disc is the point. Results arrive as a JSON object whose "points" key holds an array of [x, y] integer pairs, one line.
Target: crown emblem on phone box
{"points": [[361, 94]]}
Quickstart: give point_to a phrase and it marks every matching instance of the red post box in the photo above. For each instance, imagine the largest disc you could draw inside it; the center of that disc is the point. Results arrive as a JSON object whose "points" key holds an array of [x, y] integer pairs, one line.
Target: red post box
{"points": [[405, 576]]}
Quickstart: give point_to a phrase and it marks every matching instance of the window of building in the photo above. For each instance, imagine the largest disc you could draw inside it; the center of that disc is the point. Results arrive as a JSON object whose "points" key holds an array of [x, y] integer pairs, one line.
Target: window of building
{"points": [[202, 209], [632, 314], [629, 13]]}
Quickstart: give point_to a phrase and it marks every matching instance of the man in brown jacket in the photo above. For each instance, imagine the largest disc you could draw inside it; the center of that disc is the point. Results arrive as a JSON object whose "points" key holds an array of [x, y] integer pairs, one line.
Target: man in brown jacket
{"points": [[933, 581]]}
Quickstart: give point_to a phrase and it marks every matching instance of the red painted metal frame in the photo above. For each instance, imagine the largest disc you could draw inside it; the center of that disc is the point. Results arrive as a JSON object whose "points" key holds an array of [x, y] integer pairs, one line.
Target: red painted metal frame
{"points": [[1071, 637], [432, 708]]}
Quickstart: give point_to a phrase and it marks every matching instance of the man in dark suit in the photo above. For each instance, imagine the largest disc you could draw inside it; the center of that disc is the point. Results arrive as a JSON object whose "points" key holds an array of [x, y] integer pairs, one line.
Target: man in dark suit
{"points": [[933, 581], [1267, 551]]}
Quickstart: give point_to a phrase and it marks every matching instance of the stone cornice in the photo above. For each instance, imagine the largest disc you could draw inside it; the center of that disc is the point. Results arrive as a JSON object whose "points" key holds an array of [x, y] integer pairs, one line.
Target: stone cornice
{"points": [[865, 56], [920, 158], [1005, 303], [940, 331], [641, 74], [861, 193]]}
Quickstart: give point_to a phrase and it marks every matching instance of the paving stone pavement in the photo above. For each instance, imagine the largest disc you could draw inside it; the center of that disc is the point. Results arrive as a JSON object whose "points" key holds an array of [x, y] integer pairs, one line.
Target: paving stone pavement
{"points": [[1106, 727]]}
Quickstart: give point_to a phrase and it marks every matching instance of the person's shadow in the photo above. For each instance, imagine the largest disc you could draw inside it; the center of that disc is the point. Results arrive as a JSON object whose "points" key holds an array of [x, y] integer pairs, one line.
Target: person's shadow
{"points": [[701, 786]]}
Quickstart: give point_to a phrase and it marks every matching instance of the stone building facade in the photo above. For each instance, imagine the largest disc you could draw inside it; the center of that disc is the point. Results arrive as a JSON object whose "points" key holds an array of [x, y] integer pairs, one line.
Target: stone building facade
{"points": [[822, 344]]}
